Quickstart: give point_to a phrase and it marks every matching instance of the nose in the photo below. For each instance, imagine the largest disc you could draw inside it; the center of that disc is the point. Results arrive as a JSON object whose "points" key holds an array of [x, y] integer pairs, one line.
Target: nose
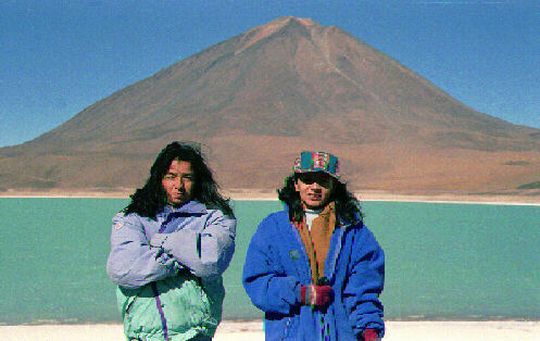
{"points": [[178, 183], [181, 184]]}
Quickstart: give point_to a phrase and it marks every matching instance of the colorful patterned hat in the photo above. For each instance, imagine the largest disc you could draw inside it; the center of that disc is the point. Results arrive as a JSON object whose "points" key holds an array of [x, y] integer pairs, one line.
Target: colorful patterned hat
{"points": [[317, 162]]}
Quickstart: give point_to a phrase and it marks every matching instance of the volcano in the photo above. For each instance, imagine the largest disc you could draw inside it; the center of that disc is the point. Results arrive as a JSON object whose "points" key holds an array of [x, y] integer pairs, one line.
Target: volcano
{"points": [[256, 100]]}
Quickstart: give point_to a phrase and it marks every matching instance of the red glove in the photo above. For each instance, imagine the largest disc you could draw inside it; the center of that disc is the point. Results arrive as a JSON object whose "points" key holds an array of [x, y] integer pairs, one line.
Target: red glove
{"points": [[370, 335], [316, 295]]}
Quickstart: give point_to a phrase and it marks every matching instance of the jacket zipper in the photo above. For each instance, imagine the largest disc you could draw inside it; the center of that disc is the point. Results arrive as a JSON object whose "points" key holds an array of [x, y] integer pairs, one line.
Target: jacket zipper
{"points": [[161, 312]]}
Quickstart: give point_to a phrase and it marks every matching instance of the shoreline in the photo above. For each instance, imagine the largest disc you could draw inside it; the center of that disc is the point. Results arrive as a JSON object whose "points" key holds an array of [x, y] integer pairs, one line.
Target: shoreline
{"points": [[253, 330], [532, 198]]}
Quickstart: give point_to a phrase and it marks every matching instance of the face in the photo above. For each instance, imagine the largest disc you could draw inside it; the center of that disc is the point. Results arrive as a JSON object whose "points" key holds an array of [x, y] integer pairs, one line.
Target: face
{"points": [[314, 189], [178, 182]]}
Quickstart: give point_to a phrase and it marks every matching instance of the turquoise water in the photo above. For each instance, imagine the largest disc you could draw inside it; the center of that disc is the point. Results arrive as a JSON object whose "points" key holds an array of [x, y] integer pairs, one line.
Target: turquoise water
{"points": [[444, 261]]}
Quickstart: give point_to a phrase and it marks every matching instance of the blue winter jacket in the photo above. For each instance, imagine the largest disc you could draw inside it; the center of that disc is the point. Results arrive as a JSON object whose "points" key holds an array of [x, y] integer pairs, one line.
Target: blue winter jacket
{"points": [[169, 270], [277, 265]]}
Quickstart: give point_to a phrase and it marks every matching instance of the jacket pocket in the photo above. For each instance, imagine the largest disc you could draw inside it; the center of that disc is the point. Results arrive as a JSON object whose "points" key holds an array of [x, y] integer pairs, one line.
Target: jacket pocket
{"points": [[129, 306], [126, 299], [290, 329]]}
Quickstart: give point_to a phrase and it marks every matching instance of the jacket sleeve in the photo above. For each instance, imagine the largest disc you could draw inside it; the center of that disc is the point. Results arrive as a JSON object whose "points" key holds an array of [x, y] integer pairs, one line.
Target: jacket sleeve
{"points": [[132, 263], [365, 284], [268, 286], [205, 252]]}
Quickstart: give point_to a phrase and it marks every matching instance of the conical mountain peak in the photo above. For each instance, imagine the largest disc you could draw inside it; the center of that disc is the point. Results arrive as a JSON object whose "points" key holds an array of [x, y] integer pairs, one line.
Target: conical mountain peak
{"points": [[277, 26]]}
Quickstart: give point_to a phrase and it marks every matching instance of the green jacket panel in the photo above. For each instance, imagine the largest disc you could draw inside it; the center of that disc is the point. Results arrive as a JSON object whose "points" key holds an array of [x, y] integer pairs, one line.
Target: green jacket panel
{"points": [[190, 306]]}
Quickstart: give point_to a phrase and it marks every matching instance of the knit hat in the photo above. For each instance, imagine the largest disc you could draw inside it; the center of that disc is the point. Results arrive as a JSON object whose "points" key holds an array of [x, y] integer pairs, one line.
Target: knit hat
{"points": [[310, 162]]}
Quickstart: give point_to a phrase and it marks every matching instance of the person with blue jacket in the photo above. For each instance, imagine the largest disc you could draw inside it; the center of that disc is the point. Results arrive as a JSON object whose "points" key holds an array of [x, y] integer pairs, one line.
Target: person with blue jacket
{"points": [[315, 269], [169, 248]]}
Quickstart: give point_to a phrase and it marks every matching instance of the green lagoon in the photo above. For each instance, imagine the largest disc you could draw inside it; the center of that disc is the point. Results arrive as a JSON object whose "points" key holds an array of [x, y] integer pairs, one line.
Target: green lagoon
{"points": [[444, 261]]}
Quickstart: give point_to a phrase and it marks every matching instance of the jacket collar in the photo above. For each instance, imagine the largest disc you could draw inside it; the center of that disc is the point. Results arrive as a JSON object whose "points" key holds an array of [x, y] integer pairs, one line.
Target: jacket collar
{"points": [[341, 223], [190, 207]]}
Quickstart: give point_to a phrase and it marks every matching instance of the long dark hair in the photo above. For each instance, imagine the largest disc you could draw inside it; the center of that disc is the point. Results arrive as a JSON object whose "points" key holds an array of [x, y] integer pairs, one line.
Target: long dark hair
{"points": [[347, 206], [151, 198]]}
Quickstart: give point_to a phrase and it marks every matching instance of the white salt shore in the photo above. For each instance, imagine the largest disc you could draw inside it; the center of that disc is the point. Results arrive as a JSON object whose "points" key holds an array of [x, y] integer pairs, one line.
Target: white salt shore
{"points": [[532, 198], [252, 331]]}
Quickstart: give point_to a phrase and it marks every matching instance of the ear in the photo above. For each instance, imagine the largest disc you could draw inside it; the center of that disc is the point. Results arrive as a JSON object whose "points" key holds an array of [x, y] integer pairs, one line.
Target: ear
{"points": [[296, 186]]}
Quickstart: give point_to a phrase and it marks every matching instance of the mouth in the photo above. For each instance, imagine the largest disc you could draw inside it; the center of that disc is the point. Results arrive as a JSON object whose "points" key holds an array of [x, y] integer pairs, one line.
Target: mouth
{"points": [[178, 195], [315, 196]]}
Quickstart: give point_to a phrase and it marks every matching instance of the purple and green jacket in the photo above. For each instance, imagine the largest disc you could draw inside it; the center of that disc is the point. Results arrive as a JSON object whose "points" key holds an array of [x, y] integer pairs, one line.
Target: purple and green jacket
{"points": [[168, 270]]}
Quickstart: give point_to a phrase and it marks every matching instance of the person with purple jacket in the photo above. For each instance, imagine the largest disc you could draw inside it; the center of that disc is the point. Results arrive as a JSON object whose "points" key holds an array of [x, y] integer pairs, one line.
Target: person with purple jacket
{"points": [[169, 248], [315, 269]]}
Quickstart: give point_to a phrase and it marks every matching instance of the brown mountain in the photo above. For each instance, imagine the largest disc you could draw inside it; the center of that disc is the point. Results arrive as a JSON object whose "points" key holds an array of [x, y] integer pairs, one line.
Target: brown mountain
{"points": [[259, 98]]}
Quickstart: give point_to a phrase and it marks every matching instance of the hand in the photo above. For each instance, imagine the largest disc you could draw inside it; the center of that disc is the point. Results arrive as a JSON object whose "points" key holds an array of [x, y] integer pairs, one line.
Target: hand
{"points": [[319, 296], [370, 335]]}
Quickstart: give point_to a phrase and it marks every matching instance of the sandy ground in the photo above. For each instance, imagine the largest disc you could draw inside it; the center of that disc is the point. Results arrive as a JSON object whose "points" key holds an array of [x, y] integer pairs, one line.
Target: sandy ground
{"points": [[251, 331]]}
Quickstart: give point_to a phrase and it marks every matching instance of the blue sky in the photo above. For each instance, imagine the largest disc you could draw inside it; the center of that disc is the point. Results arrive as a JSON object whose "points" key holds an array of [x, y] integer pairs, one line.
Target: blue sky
{"points": [[59, 57]]}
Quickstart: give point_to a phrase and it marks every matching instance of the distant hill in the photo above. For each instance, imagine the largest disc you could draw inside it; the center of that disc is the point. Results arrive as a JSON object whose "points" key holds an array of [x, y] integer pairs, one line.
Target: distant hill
{"points": [[259, 98]]}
